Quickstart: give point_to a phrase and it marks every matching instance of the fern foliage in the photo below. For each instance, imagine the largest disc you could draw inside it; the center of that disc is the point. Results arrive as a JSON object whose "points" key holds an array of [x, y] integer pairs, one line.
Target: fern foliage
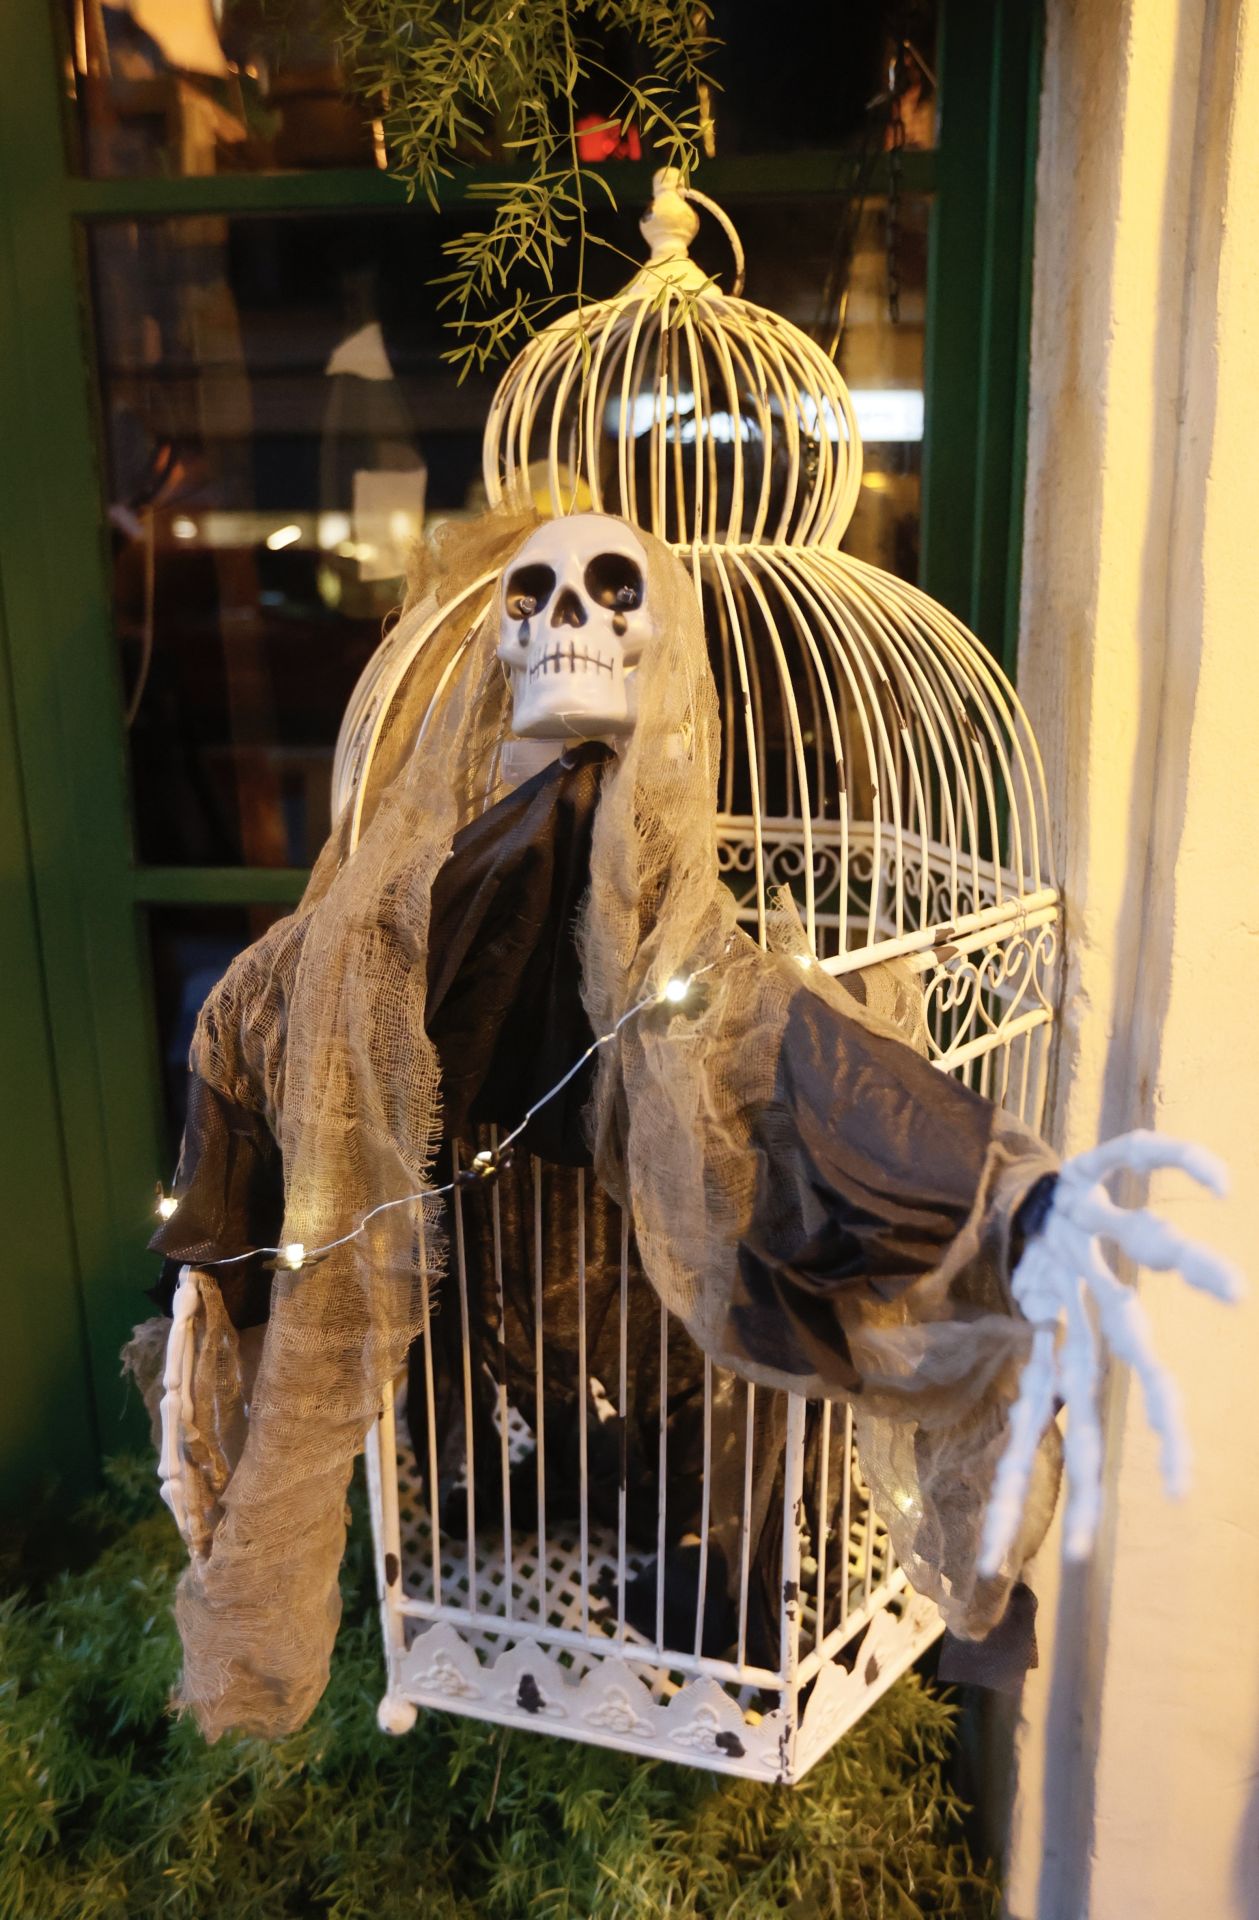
{"points": [[474, 82], [112, 1807]]}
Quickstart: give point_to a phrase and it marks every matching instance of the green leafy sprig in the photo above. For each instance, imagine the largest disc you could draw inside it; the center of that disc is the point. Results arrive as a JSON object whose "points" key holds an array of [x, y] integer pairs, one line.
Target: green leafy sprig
{"points": [[463, 82], [111, 1808]]}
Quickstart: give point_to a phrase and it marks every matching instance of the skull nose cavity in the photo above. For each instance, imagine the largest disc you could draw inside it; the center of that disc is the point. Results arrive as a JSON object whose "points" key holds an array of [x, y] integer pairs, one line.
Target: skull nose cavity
{"points": [[568, 610]]}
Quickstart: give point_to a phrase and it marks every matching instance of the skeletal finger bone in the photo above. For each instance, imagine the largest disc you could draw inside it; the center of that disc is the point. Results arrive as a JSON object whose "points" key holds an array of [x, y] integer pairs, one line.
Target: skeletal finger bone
{"points": [[1144, 1151], [1150, 1242], [1029, 1416], [1079, 1372], [1126, 1330]]}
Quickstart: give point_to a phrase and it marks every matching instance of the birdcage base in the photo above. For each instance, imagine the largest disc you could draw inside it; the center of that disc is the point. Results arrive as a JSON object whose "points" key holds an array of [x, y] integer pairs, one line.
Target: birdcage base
{"points": [[511, 1634], [612, 1703]]}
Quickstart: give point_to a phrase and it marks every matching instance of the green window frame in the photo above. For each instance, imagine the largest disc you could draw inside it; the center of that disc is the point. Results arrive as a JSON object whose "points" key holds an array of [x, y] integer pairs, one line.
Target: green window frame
{"points": [[82, 1137]]}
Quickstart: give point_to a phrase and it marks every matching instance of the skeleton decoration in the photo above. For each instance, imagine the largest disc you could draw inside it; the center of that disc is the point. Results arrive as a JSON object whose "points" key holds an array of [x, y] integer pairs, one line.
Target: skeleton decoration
{"points": [[816, 1205], [574, 621]]}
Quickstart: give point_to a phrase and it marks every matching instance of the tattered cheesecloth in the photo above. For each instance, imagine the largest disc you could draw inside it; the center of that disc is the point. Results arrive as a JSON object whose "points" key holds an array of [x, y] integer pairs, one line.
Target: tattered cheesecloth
{"points": [[819, 1208]]}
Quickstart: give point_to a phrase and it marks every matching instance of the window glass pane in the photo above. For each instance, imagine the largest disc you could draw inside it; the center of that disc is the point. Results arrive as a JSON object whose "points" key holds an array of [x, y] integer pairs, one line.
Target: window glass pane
{"points": [[190, 949], [827, 266], [213, 86], [819, 75], [280, 427], [230, 86]]}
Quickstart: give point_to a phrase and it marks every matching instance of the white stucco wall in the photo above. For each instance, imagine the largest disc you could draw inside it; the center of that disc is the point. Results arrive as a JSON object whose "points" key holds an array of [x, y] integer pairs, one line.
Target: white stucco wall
{"points": [[1138, 1762]]}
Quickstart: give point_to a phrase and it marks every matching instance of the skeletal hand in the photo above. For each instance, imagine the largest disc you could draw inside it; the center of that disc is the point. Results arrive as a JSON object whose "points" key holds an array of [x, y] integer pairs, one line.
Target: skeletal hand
{"points": [[1063, 1285]]}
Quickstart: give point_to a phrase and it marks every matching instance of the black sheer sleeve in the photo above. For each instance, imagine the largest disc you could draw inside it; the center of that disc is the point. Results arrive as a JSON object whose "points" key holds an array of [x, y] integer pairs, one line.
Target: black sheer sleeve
{"points": [[873, 1165], [504, 1006], [231, 1198]]}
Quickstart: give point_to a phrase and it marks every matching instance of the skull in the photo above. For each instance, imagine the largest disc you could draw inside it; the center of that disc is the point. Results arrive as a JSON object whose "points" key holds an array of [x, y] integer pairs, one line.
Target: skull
{"points": [[573, 624]]}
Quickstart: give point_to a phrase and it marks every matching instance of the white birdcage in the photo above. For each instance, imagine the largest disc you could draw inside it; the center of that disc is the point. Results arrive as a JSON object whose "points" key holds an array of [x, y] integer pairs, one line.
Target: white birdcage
{"points": [[877, 763]]}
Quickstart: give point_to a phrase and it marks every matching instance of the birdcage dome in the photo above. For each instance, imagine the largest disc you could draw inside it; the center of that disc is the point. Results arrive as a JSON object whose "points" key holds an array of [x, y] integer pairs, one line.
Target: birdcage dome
{"points": [[690, 411], [876, 761]]}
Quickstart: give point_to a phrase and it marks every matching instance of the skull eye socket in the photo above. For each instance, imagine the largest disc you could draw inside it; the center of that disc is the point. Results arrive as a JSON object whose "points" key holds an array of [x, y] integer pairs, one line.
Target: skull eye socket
{"points": [[615, 581], [528, 590]]}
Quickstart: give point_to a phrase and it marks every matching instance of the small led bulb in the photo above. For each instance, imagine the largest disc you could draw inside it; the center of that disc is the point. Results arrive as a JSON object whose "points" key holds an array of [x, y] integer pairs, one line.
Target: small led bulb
{"points": [[167, 1205], [294, 1254], [675, 991], [804, 960]]}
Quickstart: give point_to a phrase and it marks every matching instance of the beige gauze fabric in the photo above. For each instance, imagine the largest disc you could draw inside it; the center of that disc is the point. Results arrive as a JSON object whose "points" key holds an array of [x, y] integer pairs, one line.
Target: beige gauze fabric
{"points": [[680, 1126], [320, 1026]]}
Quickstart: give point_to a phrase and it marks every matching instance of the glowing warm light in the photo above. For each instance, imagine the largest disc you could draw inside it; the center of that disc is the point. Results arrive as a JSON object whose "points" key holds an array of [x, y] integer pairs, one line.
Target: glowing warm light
{"points": [[676, 991], [294, 1254], [283, 537], [804, 960], [884, 415], [332, 529], [183, 528], [887, 414], [167, 1205]]}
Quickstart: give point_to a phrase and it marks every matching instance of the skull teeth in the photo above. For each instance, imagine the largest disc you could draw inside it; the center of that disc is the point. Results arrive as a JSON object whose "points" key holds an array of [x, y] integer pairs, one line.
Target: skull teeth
{"points": [[570, 658]]}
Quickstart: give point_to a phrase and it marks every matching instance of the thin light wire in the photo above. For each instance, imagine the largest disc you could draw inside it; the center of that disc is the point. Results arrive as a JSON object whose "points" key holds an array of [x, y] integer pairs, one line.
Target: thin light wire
{"points": [[309, 1254]]}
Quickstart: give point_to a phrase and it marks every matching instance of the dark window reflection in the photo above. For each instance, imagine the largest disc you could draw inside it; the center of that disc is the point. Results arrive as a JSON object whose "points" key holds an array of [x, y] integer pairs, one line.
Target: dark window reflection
{"points": [[230, 86], [280, 430], [817, 75], [190, 949], [826, 267], [214, 86]]}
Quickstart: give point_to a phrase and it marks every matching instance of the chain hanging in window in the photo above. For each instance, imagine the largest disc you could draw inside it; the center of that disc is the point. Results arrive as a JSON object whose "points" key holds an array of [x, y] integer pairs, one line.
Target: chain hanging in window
{"points": [[895, 166]]}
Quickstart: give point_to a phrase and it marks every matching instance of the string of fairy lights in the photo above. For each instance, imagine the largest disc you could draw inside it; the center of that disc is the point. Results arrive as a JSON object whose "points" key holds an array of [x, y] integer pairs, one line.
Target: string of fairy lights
{"points": [[295, 1254]]}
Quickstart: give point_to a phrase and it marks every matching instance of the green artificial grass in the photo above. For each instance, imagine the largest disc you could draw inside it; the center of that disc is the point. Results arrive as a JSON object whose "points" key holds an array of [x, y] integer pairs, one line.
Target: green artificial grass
{"points": [[110, 1806]]}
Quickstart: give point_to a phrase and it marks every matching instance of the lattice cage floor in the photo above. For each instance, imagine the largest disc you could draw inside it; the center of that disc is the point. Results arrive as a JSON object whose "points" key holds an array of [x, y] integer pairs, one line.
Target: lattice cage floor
{"points": [[548, 1589]]}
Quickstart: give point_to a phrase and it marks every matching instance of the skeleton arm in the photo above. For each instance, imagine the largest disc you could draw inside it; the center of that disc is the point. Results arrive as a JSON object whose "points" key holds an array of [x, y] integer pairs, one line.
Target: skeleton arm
{"points": [[1065, 1287], [175, 1410]]}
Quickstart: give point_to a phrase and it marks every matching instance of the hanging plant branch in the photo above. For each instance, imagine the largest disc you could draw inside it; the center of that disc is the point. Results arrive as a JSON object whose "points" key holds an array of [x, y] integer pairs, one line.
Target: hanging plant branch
{"points": [[462, 82]]}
